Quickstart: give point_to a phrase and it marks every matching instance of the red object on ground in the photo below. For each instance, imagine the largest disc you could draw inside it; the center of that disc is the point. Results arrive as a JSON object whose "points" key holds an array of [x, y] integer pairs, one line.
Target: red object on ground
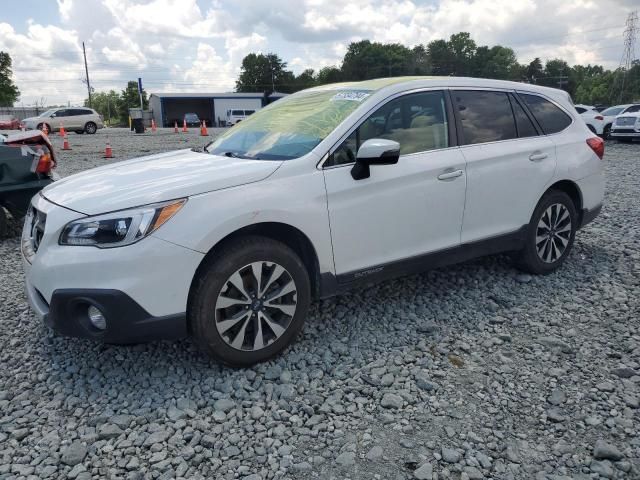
{"points": [[62, 132], [65, 143], [108, 153], [175, 127], [203, 129], [184, 125], [153, 125]]}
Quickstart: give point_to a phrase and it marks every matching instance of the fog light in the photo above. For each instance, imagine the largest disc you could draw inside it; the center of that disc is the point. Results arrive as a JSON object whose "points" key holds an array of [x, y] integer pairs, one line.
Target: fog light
{"points": [[97, 318]]}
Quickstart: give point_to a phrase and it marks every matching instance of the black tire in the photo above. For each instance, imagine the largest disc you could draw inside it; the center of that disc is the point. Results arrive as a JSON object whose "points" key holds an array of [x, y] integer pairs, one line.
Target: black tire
{"points": [[214, 278], [3, 222], [79, 132], [528, 258], [606, 132], [90, 128]]}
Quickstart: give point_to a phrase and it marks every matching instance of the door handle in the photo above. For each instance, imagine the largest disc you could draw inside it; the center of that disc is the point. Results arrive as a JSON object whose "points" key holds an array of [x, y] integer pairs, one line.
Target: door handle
{"points": [[450, 175], [537, 156]]}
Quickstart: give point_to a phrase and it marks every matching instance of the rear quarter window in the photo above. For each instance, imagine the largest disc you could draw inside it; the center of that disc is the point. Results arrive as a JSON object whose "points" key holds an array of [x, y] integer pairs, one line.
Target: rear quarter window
{"points": [[550, 118]]}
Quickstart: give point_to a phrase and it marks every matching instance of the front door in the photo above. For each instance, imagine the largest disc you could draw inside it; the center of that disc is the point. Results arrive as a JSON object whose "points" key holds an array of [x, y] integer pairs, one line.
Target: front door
{"points": [[402, 210]]}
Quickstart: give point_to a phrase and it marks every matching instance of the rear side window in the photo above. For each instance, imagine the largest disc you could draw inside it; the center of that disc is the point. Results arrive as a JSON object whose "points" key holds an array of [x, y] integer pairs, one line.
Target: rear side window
{"points": [[237, 112], [634, 108], [580, 109], [550, 118], [485, 116], [523, 122]]}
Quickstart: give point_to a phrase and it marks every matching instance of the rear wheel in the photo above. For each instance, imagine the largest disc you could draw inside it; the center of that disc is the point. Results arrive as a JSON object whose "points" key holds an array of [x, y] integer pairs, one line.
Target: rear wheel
{"points": [[606, 132], [250, 302], [550, 234], [79, 132], [90, 128]]}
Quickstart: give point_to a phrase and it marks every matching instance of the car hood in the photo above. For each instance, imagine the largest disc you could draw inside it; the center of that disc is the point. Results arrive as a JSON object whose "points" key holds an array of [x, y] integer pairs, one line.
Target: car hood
{"points": [[154, 178]]}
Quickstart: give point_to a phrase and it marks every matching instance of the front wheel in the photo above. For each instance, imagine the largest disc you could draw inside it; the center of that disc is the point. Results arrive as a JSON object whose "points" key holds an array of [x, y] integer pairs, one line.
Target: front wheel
{"points": [[550, 234], [606, 132], [90, 128], [250, 301]]}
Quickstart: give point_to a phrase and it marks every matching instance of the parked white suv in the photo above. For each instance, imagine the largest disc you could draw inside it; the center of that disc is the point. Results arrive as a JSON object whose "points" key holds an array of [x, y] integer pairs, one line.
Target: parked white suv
{"points": [[324, 190], [593, 118], [74, 119], [626, 125]]}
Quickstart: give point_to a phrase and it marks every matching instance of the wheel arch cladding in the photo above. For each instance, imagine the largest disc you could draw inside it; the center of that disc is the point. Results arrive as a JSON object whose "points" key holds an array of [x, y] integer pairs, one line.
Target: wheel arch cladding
{"points": [[293, 238]]}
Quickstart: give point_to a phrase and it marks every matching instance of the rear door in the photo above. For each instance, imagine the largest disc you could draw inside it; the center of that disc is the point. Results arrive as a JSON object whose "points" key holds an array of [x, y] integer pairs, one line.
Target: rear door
{"points": [[509, 162]]}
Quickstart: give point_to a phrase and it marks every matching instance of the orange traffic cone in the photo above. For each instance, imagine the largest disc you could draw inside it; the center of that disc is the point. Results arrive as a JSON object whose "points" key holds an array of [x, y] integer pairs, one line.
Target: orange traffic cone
{"points": [[153, 125], [175, 127], [65, 143], [62, 132], [184, 126], [203, 129], [108, 153]]}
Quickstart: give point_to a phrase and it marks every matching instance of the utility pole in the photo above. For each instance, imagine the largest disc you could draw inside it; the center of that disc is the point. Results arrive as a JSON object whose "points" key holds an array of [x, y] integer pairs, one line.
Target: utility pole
{"points": [[86, 71], [628, 55]]}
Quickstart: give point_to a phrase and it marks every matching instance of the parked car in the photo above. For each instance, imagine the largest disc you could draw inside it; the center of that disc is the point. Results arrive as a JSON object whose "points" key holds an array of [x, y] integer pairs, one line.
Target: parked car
{"points": [[236, 116], [192, 120], [611, 113], [74, 119], [26, 166], [626, 125], [323, 190], [9, 122], [593, 118]]}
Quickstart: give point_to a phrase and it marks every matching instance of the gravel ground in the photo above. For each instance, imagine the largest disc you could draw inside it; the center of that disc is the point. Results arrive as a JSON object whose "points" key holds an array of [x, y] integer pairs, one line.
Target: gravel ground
{"points": [[469, 372]]}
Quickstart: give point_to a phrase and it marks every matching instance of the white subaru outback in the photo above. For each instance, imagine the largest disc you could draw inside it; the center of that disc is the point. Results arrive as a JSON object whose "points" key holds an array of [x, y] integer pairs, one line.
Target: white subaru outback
{"points": [[324, 190]]}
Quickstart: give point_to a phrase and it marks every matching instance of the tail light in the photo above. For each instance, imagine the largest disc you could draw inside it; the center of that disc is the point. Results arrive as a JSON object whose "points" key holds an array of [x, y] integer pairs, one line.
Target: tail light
{"points": [[597, 145], [599, 117], [45, 163]]}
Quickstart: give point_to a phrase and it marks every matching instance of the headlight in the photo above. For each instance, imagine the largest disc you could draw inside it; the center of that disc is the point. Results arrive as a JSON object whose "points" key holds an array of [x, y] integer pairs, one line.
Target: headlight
{"points": [[117, 229]]}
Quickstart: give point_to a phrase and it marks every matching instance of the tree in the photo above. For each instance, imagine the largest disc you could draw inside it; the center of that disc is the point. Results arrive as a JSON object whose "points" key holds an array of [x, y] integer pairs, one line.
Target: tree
{"points": [[9, 93], [264, 73], [305, 80], [329, 75], [108, 104], [463, 49], [534, 70], [440, 57], [365, 60], [129, 98]]}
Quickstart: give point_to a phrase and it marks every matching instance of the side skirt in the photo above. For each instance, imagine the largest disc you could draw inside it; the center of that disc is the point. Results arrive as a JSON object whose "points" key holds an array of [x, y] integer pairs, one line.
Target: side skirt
{"points": [[410, 266]]}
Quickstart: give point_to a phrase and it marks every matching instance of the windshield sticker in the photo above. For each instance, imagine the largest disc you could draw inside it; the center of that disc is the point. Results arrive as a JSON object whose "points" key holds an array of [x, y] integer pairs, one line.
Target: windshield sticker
{"points": [[352, 95]]}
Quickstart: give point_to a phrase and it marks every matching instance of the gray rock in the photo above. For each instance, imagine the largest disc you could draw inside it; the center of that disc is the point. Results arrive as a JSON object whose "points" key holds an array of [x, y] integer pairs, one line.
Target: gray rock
{"points": [[109, 431], [606, 387], [375, 453], [450, 455], [159, 436], [623, 372], [391, 400], [473, 473], [257, 412], [424, 472], [554, 415], [606, 451], [73, 454], [224, 405], [557, 397], [602, 468], [174, 414], [346, 459]]}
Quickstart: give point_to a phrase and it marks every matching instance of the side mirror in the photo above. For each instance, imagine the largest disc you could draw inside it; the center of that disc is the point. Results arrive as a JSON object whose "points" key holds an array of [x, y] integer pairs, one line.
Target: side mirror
{"points": [[375, 151]]}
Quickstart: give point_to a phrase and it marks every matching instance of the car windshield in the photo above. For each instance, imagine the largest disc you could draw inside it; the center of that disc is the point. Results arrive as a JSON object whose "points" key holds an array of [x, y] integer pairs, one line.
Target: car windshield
{"points": [[290, 127], [48, 112], [612, 111], [191, 116]]}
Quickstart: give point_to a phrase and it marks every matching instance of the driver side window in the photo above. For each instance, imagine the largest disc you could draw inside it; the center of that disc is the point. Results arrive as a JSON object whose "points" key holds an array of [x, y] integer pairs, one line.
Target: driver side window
{"points": [[418, 122]]}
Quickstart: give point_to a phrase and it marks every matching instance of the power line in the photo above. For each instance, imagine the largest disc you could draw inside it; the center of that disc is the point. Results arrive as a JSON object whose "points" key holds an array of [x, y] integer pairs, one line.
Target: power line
{"points": [[629, 54]]}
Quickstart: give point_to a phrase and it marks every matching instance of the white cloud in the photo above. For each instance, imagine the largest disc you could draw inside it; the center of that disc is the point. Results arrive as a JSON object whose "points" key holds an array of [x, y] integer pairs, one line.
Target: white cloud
{"points": [[191, 45]]}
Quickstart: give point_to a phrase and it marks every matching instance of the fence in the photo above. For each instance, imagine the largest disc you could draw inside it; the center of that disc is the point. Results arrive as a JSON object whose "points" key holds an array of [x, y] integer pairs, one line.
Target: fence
{"points": [[23, 112]]}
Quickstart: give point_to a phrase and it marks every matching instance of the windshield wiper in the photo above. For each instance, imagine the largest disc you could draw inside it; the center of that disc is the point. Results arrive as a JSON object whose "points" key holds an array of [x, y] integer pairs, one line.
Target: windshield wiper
{"points": [[231, 154]]}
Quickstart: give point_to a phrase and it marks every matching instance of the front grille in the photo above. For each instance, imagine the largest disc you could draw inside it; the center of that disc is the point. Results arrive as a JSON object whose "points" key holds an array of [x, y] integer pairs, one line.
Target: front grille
{"points": [[623, 130], [625, 120], [33, 231]]}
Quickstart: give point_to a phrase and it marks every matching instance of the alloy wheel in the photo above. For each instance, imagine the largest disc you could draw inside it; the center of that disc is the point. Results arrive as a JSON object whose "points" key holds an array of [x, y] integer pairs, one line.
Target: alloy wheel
{"points": [[553, 233], [256, 306]]}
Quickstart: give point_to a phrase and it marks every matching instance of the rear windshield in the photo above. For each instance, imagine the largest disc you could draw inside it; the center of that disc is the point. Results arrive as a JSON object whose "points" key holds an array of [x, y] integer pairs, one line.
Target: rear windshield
{"points": [[290, 127], [612, 111]]}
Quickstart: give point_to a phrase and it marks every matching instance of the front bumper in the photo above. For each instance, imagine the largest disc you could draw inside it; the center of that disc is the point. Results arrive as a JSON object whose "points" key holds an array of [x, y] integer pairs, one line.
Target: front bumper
{"points": [[126, 320], [142, 289], [625, 133]]}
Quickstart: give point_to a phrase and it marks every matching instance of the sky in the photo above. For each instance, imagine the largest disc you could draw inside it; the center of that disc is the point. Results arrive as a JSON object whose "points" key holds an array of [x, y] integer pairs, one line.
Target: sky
{"points": [[198, 45]]}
